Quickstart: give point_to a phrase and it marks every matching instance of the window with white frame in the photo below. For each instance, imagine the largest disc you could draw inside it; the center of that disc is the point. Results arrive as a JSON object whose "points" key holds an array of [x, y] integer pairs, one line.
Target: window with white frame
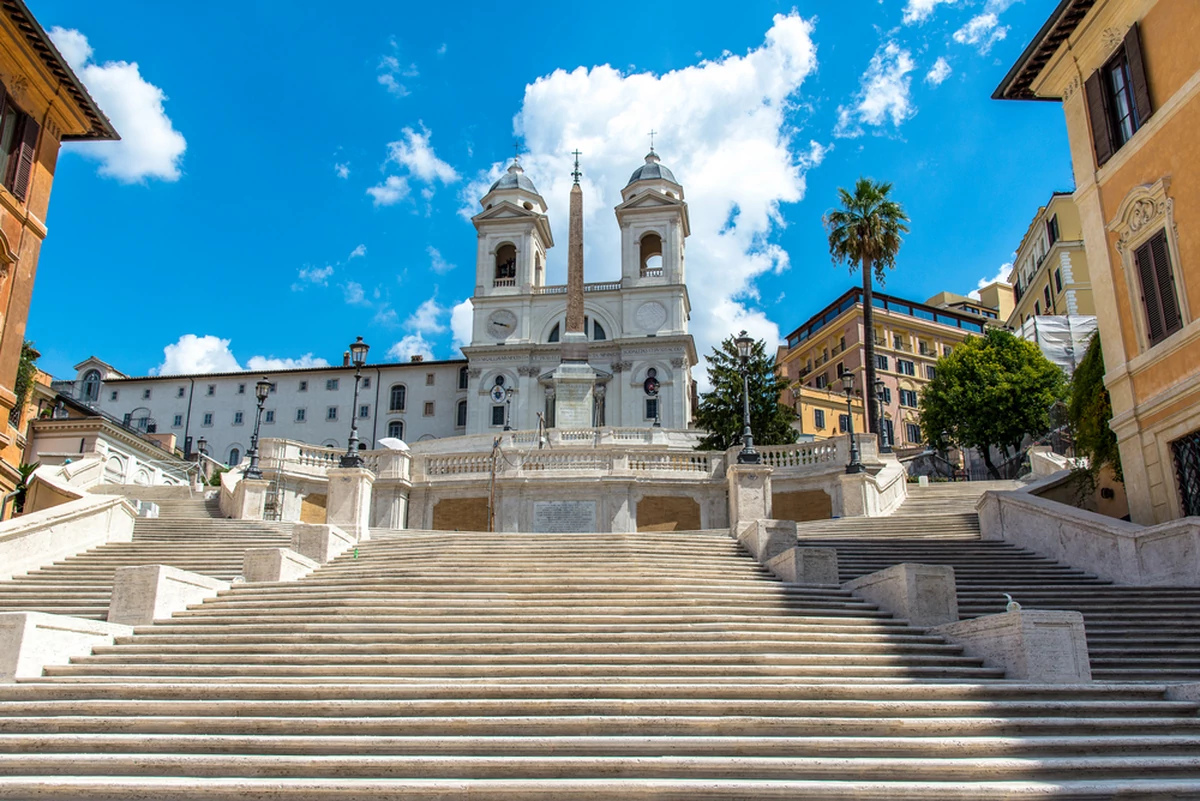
{"points": [[395, 429]]}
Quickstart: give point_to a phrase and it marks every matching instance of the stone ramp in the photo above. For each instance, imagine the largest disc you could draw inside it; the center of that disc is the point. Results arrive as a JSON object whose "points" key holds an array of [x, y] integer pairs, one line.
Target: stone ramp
{"points": [[81, 585], [606, 666]]}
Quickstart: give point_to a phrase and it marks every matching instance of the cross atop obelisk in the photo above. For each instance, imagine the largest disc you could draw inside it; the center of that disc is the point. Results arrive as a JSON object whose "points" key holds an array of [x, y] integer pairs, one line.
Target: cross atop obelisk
{"points": [[575, 258]]}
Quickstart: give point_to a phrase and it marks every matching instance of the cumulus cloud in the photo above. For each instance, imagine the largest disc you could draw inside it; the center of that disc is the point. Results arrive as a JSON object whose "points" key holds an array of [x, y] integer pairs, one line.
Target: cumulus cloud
{"points": [[414, 152], [916, 11], [427, 318], [462, 320], [883, 95], [273, 363], [150, 147], [939, 72], [318, 276], [354, 294], [342, 169], [725, 131], [982, 31], [436, 262], [390, 192], [358, 252], [1001, 275], [390, 70], [409, 346]]}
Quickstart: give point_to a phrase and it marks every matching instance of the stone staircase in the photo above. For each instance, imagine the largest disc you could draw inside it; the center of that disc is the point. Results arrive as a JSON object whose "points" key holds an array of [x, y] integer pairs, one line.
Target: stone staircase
{"points": [[173, 502], [437, 665], [80, 585], [1134, 633]]}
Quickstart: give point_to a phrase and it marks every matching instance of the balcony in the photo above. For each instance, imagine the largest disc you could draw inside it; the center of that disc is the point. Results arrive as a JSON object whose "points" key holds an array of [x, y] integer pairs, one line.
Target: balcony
{"points": [[836, 350], [902, 346], [504, 282]]}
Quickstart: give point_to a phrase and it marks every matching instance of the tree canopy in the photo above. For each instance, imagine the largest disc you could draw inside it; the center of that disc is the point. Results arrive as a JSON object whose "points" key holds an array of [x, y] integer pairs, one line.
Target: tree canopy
{"points": [[991, 391], [720, 411], [866, 233], [1090, 409]]}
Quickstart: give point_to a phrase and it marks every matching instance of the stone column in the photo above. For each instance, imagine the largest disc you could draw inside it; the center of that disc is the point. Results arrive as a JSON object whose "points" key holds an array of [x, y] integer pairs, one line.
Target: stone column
{"points": [[749, 495], [252, 493], [348, 505]]}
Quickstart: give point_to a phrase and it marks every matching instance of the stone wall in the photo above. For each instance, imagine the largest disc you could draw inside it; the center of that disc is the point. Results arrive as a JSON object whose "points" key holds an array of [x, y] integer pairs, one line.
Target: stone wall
{"points": [[460, 514], [666, 513], [802, 505]]}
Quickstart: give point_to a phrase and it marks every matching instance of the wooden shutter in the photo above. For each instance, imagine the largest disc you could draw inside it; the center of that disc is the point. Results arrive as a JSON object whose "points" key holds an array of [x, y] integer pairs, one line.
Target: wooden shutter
{"points": [[1097, 102], [25, 157], [1137, 75], [1153, 260]]}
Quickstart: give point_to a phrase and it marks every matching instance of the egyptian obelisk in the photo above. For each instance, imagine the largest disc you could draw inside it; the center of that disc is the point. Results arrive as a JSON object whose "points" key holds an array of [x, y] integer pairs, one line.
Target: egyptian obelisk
{"points": [[574, 379]]}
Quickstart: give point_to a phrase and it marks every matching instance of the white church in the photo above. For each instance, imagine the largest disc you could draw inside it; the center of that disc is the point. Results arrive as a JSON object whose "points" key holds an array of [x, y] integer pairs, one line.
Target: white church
{"points": [[638, 348]]}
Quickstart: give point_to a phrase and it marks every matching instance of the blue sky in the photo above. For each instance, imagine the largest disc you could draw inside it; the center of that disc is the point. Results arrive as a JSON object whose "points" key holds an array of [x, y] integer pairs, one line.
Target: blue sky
{"points": [[292, 177]]}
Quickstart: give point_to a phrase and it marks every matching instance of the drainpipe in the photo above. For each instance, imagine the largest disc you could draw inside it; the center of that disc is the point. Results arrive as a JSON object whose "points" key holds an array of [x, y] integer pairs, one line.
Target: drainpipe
{"points": [[187, 425]]}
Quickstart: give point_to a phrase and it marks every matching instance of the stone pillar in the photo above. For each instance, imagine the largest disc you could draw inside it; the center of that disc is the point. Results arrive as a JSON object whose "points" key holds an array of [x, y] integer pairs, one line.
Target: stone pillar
{"points": [[144, 593], [252, 493], [805, 566], [1039, 645], [924, 595], [348, 505], [765, 539], [574, 388], [749, 495], [31, 640]]}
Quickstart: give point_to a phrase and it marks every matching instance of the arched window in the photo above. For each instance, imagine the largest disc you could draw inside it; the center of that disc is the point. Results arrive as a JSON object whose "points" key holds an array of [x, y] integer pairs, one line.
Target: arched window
{"points": [[554, 333], [651, 255], [506, 265], [396, 429], [91, 385], [397, 398], [461, 415], [235, 456], [463, 378], [598, 332]]}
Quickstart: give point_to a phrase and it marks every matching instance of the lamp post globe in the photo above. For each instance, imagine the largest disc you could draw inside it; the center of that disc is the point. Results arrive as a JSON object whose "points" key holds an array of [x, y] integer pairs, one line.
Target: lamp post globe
{"points": [[261, 390], [358, 356], [745, 347], [855, 465], [885, 445]]}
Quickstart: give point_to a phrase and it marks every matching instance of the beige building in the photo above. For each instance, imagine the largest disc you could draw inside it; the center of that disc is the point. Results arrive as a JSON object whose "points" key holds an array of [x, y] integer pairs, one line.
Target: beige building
{"points": [[822, 413], [1050, 271], [1127, 73]]}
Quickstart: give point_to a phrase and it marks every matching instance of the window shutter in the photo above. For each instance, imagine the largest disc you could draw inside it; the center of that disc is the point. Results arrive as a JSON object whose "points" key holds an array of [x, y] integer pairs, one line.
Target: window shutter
{"points": [[1097, 102], [1165, 279], [29, 137], [1137, 75], [1145, 268]]}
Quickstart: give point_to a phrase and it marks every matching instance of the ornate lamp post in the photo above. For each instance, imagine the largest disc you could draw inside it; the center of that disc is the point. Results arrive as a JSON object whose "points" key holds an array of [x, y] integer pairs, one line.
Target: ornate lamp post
{"points": [[358, 355], [508, 393], [856, 465], [745, 345], [884, 445], [201, 467], [261, 390]]}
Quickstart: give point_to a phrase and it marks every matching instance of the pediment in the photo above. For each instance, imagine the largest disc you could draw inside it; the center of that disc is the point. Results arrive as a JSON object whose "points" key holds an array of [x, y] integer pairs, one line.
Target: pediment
{"points": [[506, 210], [650, 199]]}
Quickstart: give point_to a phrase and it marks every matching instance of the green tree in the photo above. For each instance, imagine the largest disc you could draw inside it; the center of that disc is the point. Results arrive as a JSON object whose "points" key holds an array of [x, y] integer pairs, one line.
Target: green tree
{"points": [[1089, 409], [991, 391], [26, 371], [720, 411], [865, 234]]}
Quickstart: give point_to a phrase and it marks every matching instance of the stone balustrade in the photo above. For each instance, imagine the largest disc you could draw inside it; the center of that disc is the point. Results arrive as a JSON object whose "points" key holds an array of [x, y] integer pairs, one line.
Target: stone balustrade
{"points": [[302, 459]]}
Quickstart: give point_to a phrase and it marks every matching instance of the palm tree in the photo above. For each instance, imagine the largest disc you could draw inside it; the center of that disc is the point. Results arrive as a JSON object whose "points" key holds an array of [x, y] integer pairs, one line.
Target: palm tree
{"points": [[865, 232]]}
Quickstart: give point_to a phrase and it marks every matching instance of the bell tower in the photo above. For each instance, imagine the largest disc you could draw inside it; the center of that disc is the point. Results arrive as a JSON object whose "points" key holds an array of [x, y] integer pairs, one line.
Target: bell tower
{"points": [[654, 224], [513, 237]]}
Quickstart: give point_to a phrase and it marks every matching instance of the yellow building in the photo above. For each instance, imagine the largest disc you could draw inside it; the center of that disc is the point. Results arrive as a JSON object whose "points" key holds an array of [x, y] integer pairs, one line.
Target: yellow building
{"points": [[42, 104], [995, 302], [909, 339], [1050, 272], [1127, 73], [822, 413]]}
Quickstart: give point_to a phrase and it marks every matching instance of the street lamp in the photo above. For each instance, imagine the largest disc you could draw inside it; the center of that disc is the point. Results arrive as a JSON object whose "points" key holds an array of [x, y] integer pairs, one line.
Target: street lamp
{"points": [[508, 393], [261, 390], [358, 355], [745, 345], [856, 465], [201, 467], [884, 445]]}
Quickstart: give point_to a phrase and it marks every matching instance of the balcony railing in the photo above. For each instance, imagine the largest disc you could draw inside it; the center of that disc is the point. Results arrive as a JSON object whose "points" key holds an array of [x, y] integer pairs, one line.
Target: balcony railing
{"points": [[561, 289], [901, 345], [504, 282], [652, 272]]}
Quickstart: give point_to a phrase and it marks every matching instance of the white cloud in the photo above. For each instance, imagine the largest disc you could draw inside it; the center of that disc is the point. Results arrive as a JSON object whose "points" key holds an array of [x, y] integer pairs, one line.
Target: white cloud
{"points": [[411, 345], [414, 152], [359, 251], [342, 169], [1001, 275], [441, 51], [150, 147], [318, 276], [725, 130], [939, 72], [354, 295], [427, 318], [197, 354], [272, 363], [920, 10], [462, 320], [390, 192], [883, 95], [982, 30], [389, 70], [437, 263]]}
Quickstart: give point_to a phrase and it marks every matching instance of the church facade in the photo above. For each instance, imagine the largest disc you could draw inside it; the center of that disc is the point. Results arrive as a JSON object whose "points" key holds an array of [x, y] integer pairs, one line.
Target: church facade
{"points": [[636, 328]]}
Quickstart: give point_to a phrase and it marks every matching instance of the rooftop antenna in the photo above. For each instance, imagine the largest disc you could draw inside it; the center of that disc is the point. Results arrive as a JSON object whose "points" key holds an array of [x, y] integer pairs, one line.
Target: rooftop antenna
{"points": [[652, 133], [576, 173]]}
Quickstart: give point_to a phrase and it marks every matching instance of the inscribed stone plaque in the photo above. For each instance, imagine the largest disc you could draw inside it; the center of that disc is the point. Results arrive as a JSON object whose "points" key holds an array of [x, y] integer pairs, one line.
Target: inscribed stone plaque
{"points": [[564, 517]]}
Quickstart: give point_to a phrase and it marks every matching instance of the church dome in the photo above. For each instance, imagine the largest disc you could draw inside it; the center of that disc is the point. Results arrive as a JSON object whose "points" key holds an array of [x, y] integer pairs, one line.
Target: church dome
{"points": [[652, 170], [515, 178]]}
